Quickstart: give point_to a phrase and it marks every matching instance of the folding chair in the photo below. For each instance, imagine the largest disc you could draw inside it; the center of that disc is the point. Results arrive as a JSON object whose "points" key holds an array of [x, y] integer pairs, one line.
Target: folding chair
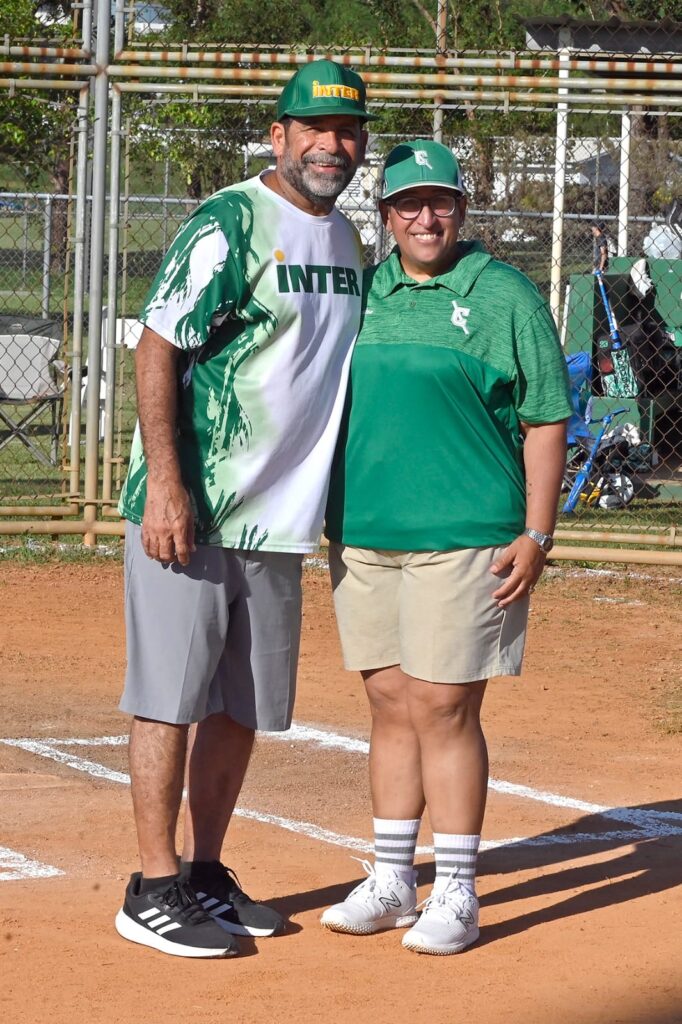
{"points": [[31, 375]]}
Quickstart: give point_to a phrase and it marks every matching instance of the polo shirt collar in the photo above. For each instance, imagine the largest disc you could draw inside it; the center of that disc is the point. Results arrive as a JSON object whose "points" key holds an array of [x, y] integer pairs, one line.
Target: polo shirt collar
{"points": [[472, 257]]}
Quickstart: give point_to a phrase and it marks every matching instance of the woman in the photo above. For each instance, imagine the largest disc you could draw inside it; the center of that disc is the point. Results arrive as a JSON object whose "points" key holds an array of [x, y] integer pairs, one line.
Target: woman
{"points": [[440, 515]]}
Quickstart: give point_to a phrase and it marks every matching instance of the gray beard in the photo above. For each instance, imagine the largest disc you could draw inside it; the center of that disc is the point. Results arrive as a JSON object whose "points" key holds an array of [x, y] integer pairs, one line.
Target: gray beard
{"points": [[312, 186]]}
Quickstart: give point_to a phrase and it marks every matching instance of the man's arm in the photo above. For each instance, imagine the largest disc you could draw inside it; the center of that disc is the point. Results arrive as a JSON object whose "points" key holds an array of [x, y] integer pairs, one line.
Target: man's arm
{"points": [[544, 456], [167, 524]]}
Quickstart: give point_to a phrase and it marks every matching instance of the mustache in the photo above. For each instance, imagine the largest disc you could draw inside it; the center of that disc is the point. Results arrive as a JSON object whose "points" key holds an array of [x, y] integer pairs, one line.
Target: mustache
{"points": [[326, 161]]}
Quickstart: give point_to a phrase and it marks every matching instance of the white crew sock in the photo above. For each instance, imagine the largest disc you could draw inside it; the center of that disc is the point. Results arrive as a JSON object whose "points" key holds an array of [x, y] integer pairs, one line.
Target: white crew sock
{"points": [[455, 855], [395, 841]]}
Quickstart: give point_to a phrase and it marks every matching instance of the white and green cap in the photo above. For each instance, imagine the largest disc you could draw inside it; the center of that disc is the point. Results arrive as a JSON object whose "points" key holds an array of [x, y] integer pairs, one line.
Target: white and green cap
{"points": [[423, 162]]}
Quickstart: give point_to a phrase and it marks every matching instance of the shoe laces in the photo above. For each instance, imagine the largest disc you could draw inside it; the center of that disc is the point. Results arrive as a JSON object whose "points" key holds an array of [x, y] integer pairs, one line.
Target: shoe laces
{"points": [[450, 900], [226, 885], [180, 896], [368, 885]]}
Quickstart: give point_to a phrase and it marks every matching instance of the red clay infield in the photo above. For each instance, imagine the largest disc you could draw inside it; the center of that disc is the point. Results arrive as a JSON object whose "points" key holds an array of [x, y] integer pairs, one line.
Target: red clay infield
{"points": [[581, 922]]}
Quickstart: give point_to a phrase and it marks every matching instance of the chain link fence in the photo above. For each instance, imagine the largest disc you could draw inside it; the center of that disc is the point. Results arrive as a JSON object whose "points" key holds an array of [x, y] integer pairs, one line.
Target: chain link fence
{"points": [[564, 159]]}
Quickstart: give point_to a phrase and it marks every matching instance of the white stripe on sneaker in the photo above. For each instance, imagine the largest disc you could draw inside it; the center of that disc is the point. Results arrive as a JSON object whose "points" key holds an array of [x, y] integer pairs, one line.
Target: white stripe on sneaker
{"points": [[207, 904], [148, 913], [168, 928], [158, 921]]}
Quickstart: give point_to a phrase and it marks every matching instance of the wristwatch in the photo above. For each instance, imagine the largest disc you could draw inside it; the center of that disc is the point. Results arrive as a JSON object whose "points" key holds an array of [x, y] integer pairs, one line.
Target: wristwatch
{"points": [[545, 540]]}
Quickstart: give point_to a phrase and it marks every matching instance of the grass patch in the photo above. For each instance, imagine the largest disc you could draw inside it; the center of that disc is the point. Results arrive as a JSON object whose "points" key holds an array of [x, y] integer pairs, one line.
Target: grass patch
{"points": [[39, 551]]}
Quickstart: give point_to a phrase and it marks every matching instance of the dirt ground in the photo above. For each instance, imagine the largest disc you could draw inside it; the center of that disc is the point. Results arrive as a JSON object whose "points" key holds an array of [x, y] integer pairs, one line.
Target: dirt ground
{"points": [[581, 909]]}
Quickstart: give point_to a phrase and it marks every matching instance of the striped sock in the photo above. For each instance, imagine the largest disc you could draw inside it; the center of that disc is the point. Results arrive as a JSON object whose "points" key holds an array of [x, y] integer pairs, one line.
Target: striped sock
{"points": [[395, 841], [455, 854]]}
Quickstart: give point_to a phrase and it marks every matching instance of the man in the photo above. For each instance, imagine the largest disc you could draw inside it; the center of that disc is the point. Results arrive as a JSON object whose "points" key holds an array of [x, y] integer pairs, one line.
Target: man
{"points": [[241, 374], [600, 248], [432, 491]]}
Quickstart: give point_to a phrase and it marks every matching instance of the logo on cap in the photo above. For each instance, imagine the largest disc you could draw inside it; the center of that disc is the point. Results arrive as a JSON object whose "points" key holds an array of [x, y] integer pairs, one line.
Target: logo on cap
{"points": [[341, 92], [422, 158]]}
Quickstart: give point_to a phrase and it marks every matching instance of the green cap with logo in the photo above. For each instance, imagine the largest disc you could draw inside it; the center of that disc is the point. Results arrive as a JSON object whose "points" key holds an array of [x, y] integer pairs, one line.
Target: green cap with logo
{"points": [[321, 88], [423, 162]]}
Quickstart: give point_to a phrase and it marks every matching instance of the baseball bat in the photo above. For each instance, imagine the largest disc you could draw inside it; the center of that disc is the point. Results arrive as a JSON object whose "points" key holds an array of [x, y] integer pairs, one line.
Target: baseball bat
{"points": [[613, 326], [583, 474]]}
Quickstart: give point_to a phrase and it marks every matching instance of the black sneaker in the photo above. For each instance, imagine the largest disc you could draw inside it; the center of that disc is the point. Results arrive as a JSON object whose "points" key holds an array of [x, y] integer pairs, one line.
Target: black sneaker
{"points": [[219, 893], [173, 921]]}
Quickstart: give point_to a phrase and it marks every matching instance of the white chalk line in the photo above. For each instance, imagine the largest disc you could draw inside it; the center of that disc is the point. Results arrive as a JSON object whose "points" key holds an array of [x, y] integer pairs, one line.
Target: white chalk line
{"points": [[330, 740], [650, 824], [15, 867]]}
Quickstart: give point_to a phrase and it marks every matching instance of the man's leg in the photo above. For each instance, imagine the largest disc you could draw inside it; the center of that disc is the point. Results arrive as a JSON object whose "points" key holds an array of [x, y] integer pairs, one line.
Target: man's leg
{"points": [[157, 764], [220, 749], [160, 909], [454, 761], [254, 684], [171, 659]]}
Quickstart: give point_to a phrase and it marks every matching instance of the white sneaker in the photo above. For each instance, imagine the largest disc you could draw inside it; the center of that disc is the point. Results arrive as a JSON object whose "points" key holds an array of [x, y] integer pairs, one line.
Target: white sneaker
{"points": [[375, 905], [448, 924]]}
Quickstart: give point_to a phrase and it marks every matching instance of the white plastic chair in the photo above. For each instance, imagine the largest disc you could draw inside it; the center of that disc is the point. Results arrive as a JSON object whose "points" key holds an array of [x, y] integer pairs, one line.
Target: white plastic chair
{"points": [[30, 375]]}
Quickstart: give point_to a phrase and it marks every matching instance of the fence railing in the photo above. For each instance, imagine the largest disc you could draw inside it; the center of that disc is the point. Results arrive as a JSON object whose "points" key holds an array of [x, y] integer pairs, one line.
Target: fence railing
{"points": [[552, 145]]}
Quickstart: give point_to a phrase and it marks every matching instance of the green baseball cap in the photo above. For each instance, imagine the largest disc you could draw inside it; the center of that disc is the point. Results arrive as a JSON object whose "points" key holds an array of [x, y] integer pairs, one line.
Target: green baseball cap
{"points": [[324, 87], [423, 162]]}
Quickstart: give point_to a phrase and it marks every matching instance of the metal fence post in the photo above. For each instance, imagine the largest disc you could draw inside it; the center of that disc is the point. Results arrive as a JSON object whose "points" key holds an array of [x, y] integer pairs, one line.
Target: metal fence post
{"points": [[99, 166], [112, 294], [47, 245], [624, 188], [559, 189]]}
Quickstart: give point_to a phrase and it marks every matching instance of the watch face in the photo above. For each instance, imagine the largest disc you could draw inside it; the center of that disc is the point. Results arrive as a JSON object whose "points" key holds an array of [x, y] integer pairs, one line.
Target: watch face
{"points": [[547, 544]]}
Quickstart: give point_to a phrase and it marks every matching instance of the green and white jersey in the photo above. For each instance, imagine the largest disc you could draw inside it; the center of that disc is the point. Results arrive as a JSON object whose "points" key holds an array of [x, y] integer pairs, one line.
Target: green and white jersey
{"points": [[264, 300], [430, 454]]}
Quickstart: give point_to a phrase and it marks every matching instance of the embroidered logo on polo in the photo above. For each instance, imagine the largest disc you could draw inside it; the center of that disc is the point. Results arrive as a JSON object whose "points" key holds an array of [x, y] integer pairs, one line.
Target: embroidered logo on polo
{"points": [[460, 315], [422, 158]]}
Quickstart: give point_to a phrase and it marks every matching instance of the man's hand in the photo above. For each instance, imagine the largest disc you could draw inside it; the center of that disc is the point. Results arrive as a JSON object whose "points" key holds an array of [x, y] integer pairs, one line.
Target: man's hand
{"points": [[168, 523], [527, 560]]}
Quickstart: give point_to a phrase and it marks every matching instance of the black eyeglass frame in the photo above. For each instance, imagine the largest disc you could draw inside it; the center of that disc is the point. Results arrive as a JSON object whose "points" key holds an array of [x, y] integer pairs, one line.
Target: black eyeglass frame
{"points": [[453, 196]]}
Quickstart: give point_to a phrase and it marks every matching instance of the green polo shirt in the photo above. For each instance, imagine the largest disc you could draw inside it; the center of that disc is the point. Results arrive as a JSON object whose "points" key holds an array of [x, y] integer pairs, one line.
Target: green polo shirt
{"points": [[430, 453]]}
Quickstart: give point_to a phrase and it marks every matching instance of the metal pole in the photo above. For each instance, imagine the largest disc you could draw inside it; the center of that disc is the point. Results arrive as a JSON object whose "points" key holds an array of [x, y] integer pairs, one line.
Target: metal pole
{"points": [[24, 247], [166, 193], [99, 186], [559, 185], [78, 286], [109, 354], [47, 245], [624, 188], [441, 50]]}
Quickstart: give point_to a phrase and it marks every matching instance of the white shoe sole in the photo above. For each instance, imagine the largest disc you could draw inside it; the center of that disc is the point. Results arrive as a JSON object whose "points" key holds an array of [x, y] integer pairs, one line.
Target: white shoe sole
{"points": [[419, 945], [134, 932], [337, 924]]}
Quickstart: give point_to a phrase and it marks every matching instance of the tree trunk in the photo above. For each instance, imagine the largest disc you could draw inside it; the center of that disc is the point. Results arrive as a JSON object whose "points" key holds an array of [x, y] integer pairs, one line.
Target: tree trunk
{"points": [[60, 177]]}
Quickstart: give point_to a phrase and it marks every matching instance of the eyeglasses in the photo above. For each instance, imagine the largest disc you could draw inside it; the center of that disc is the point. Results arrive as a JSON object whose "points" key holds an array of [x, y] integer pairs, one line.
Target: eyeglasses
{"points": [[442, 205]]}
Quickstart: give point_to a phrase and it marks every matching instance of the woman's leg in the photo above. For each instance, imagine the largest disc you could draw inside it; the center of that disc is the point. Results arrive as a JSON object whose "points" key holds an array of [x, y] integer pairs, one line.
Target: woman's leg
{"points": [[387, 899], [454, 761], [395, 773], [454, 757]]}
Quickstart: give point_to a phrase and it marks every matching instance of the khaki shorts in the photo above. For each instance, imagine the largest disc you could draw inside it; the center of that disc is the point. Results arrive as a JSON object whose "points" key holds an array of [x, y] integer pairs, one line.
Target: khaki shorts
{"points": [[218, 635], [431, 612]]}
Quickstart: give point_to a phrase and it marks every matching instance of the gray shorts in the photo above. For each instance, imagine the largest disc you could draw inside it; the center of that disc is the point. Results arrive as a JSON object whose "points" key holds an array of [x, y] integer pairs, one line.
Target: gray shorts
{"points": [[218, 635]]}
